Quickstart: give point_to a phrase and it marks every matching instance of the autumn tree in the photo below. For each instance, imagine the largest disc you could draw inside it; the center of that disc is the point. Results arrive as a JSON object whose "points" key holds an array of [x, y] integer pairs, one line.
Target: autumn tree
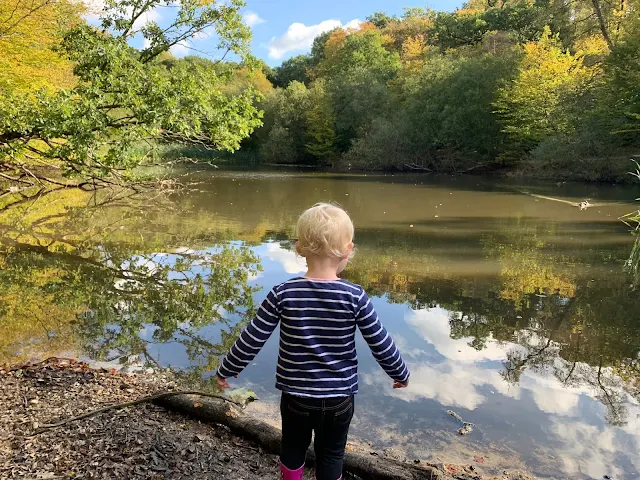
{"points": [[29, 32], [123, 98], [538, 101]]}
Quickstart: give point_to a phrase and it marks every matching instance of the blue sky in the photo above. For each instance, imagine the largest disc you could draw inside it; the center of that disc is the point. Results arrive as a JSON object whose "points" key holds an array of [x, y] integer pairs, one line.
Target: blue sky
{"points": [[282, 28], [285, 28]]}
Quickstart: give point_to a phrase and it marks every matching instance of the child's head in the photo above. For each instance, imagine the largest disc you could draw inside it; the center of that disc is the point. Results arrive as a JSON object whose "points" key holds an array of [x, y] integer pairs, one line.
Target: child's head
{"points": [[325, 230]]}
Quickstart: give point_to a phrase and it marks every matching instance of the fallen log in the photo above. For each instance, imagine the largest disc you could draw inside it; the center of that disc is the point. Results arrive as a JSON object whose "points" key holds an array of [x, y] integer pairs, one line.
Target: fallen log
{"points": [[368, 467]]}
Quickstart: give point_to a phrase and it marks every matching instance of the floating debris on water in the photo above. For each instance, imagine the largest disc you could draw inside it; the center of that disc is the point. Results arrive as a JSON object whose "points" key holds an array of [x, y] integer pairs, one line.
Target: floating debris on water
{"points": [[466, 428]]}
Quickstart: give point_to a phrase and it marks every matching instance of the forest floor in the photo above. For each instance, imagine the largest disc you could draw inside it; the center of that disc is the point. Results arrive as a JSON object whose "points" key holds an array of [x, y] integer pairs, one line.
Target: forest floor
{"points": [[138, 442]]}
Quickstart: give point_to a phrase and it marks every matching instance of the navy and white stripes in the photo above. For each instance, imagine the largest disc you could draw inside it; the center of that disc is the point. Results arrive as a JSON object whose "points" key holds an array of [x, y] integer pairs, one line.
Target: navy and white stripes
{"points": [[318, 321]]}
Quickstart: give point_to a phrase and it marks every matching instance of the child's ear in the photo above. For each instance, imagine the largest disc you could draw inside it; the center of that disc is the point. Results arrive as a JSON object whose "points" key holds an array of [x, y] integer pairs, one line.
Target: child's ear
{"points": [[298, 249], [349, 251]]}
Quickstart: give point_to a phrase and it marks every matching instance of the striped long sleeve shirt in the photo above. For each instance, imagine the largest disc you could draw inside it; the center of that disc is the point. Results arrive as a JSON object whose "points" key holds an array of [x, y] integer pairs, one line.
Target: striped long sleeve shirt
{"points": [[318, 322]]}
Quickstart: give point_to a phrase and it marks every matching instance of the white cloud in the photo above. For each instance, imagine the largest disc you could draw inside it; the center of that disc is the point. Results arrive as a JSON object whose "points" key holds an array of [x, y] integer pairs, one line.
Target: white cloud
{"points": [[300, 36], [180, 49], [353, 24], [252, 19], [589, 450], [96, 7], [451, 384], [291, 262], [433, 325], [152, 15]]}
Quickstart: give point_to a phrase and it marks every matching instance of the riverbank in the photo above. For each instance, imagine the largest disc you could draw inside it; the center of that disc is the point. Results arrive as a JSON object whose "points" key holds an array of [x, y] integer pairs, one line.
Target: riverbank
{"points": [[139, 442], [552, 167]]}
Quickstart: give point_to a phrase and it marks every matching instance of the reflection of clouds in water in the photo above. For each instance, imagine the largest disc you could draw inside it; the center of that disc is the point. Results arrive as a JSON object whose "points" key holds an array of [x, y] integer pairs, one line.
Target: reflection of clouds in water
{"points": [[581, 448], [433, 325], [552, 396], [407, 351], [591, 450], [451, 384], [291, 263]]}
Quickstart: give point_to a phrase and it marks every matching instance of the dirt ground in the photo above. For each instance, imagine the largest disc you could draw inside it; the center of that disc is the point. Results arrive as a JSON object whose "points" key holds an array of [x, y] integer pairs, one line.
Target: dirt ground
{"points": [[138, 442]]}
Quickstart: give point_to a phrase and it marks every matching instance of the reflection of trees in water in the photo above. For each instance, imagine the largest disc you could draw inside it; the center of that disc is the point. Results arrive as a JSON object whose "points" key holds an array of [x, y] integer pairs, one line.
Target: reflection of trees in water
{"points": [[567, 316], [590, 340], [115, 280]]}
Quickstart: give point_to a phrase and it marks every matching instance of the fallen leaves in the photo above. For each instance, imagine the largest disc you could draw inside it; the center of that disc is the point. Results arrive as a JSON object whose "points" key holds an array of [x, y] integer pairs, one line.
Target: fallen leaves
{"points": [[141, 442]]}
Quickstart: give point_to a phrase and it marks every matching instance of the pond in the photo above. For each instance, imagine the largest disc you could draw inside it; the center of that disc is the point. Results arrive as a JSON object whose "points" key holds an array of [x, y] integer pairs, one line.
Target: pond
{"points": [[512, 307]]}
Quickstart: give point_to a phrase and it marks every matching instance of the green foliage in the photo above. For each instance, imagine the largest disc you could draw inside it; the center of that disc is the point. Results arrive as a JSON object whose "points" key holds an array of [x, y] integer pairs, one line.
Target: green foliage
{"points": [[538, 102], [293, 69], [450, 103], [282, 138], [381, 19], [358, 70], [511, 84], [624, 87], [123, 96], [320, 125]]}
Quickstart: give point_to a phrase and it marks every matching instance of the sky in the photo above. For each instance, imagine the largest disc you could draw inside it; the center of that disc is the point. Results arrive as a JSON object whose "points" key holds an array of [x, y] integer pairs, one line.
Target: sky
{"points": [[283, 28]]}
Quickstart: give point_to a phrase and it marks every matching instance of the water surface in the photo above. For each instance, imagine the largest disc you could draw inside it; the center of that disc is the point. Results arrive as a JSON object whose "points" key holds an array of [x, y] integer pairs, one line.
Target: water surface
{"points": [[511, 306]]}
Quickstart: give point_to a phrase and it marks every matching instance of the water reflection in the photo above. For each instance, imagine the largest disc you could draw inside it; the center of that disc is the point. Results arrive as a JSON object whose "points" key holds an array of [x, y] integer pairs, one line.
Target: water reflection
{"points": [[95, 281], [516, 313]]}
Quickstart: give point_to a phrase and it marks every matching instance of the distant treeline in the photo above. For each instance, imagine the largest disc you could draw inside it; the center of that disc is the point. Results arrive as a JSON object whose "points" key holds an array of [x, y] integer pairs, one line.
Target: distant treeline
{"points": [[551, 86]]}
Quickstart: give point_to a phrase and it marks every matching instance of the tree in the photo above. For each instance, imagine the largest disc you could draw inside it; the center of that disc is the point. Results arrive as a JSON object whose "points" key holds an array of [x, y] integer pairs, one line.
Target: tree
{"points": [[320, 130], [293, 69], [537, 103], [448, 105], [623, 89], [283, 136], [357, 69], [317, 49], [29, 32], [381, 19], [123, 98]]}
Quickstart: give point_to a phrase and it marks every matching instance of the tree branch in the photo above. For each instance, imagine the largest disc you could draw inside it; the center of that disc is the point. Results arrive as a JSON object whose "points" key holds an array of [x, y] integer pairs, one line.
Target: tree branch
{"points": [[603, 26]]}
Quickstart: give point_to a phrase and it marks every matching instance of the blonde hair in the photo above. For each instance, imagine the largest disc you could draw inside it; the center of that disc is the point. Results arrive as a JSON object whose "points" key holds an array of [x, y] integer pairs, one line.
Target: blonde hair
{"points": [[324, 229]]}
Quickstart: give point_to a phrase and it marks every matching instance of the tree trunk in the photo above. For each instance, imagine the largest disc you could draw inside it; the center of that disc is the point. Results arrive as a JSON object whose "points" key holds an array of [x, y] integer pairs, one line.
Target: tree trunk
{"points": [[368, 467], [603, 25]]}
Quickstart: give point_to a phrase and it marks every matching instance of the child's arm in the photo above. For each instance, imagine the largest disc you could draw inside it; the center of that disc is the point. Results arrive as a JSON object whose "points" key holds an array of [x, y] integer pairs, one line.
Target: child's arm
{"points": [[252, 339], [380, 342]]}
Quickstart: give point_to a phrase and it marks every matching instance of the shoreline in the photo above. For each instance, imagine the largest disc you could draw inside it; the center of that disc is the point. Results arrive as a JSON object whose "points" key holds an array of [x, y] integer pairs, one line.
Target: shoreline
{"points": [[142, 441]]}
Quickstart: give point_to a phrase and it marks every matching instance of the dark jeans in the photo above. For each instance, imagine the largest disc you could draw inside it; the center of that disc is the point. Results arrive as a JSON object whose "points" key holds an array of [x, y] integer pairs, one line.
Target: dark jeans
{"points": [[329, 419]]}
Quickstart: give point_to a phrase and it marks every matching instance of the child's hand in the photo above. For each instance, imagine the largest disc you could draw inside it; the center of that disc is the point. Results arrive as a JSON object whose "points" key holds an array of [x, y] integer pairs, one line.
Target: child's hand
{"points": [[397, 384], [222, 383]]}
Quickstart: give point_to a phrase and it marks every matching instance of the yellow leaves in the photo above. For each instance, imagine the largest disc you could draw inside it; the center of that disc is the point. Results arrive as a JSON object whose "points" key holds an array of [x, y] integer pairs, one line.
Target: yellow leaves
{"points": [[364, 26], [413, 48], [33, 325], [29, 31], [535, 104], [413, 53], [593, 45], [197, 404], [243, 78], [524, 273], [334, 43]]}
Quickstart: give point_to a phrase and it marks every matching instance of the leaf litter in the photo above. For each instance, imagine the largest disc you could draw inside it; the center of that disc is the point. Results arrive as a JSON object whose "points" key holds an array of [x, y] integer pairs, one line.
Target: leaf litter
{"points": [[141, 442]]}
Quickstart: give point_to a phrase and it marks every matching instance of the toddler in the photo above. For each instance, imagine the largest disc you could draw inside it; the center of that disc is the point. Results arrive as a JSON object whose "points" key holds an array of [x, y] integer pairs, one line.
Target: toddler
{"points": [[317, 369]]}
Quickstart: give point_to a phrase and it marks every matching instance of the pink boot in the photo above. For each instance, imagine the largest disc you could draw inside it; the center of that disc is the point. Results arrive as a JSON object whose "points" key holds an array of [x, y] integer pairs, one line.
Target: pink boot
{"points": [[286, 474]]}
